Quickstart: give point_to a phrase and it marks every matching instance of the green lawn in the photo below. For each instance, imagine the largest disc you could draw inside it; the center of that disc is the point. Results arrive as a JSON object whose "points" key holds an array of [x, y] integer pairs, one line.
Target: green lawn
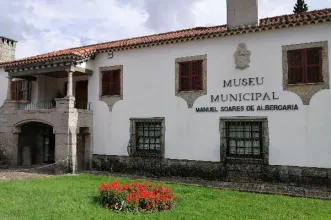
{"points": [[72, 197]]}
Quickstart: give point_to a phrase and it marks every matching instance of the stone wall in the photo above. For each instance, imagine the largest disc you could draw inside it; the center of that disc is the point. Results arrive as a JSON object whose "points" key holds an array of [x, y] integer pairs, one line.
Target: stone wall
{"points": [[240, 172], [7, 49], [157, 166], [65, 120]]}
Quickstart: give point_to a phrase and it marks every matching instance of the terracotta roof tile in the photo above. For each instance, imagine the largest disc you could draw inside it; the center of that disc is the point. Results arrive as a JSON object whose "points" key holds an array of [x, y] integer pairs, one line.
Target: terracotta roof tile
{"points": [[80, 53]]}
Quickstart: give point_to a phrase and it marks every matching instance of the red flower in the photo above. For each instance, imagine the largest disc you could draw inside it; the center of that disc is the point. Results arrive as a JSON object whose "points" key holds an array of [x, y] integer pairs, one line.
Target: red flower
{"points": [[136, 195]]}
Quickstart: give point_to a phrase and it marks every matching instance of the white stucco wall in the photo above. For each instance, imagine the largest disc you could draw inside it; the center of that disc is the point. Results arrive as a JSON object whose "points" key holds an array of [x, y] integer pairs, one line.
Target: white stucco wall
{"points": [[299, 138], [3, 86]]}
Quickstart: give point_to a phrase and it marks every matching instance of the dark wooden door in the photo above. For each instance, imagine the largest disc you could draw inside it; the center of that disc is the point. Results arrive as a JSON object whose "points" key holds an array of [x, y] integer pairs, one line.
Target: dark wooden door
{"points": [[81, 94]]}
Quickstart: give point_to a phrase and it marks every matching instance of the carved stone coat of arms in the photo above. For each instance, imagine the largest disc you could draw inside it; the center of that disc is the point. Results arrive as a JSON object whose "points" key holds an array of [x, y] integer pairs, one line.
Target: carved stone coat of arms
{"points": [[242, 57]]}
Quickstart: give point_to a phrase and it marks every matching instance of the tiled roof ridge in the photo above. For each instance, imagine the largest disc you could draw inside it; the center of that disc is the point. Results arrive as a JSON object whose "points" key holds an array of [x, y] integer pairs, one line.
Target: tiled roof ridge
{"points": [[115, 41], [299, 14], [131, 38], [81, 52]]}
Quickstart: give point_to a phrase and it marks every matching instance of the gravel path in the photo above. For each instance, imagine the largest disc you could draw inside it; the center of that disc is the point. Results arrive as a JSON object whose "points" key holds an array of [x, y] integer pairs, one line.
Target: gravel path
{"points": [[28, 172], [264, 188], [12, 175]]}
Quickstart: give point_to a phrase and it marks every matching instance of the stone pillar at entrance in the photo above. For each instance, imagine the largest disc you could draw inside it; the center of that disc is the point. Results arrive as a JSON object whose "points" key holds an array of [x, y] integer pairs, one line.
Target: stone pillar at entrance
{"points": [[61, 153], [73, 148], [65, 149], [12, 146]]}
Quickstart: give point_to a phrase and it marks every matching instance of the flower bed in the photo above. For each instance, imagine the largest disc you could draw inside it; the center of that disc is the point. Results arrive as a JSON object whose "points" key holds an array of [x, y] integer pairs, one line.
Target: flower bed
{"points": [[136, 197]]}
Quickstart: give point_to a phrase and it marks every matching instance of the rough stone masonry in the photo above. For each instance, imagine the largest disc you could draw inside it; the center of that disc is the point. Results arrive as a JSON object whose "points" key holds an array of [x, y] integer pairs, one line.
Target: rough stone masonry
{"points": [[7, 49]]}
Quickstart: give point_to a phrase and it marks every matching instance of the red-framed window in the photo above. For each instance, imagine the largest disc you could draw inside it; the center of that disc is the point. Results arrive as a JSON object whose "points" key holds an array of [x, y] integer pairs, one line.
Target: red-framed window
{"points": [[21, 90], [190, 76], [305, 66], [111, 82]]}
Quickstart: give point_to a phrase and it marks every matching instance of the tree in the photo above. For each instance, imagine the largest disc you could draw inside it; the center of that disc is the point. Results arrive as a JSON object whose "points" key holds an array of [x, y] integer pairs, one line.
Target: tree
{"points": [[300, 7]]}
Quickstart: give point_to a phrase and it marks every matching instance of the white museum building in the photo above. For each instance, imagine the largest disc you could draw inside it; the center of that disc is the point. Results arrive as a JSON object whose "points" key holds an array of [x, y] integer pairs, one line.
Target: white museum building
{"points": [[248, 100]]}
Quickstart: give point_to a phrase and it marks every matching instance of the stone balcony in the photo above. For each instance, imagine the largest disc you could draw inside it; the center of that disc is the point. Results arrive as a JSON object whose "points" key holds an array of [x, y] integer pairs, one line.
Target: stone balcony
{"points": [[56, 114]]}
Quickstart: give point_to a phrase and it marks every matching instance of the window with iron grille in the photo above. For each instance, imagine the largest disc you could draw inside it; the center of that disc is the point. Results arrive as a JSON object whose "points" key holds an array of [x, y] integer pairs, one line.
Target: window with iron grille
{"points": [[190, 75], [244, 137], [305, 65], [147, 136], [21, 90], [111, 84]]}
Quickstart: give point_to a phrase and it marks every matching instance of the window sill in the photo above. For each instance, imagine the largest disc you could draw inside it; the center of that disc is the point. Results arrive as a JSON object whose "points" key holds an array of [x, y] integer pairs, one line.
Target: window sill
{"points": [[247, 159], [148, 154], [107, 96], [191, 96], [110, 100], [306, 84], [190, 91]]}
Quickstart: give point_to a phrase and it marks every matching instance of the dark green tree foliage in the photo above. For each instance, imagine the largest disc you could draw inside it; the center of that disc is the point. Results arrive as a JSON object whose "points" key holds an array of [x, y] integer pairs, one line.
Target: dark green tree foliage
{"points": [[300, 7]]}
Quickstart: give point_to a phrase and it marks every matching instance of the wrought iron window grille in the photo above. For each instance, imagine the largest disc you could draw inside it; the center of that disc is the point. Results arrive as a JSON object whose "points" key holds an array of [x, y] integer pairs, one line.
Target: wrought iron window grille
{"points": [[244, 139], [147, 137]]}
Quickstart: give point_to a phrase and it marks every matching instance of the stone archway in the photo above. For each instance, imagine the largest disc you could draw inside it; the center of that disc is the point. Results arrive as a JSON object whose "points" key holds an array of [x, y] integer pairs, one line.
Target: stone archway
{"points": [[36, 143], [19, 124]]}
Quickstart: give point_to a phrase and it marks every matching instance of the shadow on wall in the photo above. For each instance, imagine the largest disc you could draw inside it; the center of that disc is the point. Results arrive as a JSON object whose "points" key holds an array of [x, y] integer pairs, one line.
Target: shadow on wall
{"points": [[36, 144]]}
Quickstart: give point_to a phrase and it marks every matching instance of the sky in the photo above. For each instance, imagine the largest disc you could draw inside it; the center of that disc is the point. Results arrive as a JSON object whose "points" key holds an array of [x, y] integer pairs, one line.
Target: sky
{"points": [[42, 26]]}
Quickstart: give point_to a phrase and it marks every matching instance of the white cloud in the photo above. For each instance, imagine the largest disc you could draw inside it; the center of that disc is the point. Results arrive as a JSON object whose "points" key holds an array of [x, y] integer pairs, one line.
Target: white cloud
{"points": [[42, 26], [59, 24], [46, 42]]}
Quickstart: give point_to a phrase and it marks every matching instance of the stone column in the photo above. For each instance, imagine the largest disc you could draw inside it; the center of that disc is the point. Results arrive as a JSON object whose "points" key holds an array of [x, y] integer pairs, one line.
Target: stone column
{"points": [[61, 150], [65, 150], [12, 146], [73, 148], [69, 88], [9, 88]]}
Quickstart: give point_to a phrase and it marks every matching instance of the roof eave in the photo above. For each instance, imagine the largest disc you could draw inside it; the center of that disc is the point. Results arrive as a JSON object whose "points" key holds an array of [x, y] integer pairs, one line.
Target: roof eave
{"points": [[44, 63]]}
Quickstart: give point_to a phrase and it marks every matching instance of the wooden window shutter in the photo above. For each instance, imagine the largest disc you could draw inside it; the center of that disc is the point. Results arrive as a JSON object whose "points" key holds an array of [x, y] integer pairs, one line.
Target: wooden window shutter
{"points": [[196, 75], [295, 66], [13, 91], [115, 82], [313, 63], [184, 76], [105, 83]]}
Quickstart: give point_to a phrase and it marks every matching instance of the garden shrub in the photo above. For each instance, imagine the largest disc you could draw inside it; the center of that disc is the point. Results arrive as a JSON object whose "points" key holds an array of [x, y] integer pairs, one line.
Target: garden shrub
{"points": [[136, 197]]}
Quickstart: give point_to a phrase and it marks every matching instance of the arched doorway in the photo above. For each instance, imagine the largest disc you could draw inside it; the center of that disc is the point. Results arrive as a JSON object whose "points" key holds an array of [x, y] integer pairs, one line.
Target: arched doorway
{"points": [[36, 144]]}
